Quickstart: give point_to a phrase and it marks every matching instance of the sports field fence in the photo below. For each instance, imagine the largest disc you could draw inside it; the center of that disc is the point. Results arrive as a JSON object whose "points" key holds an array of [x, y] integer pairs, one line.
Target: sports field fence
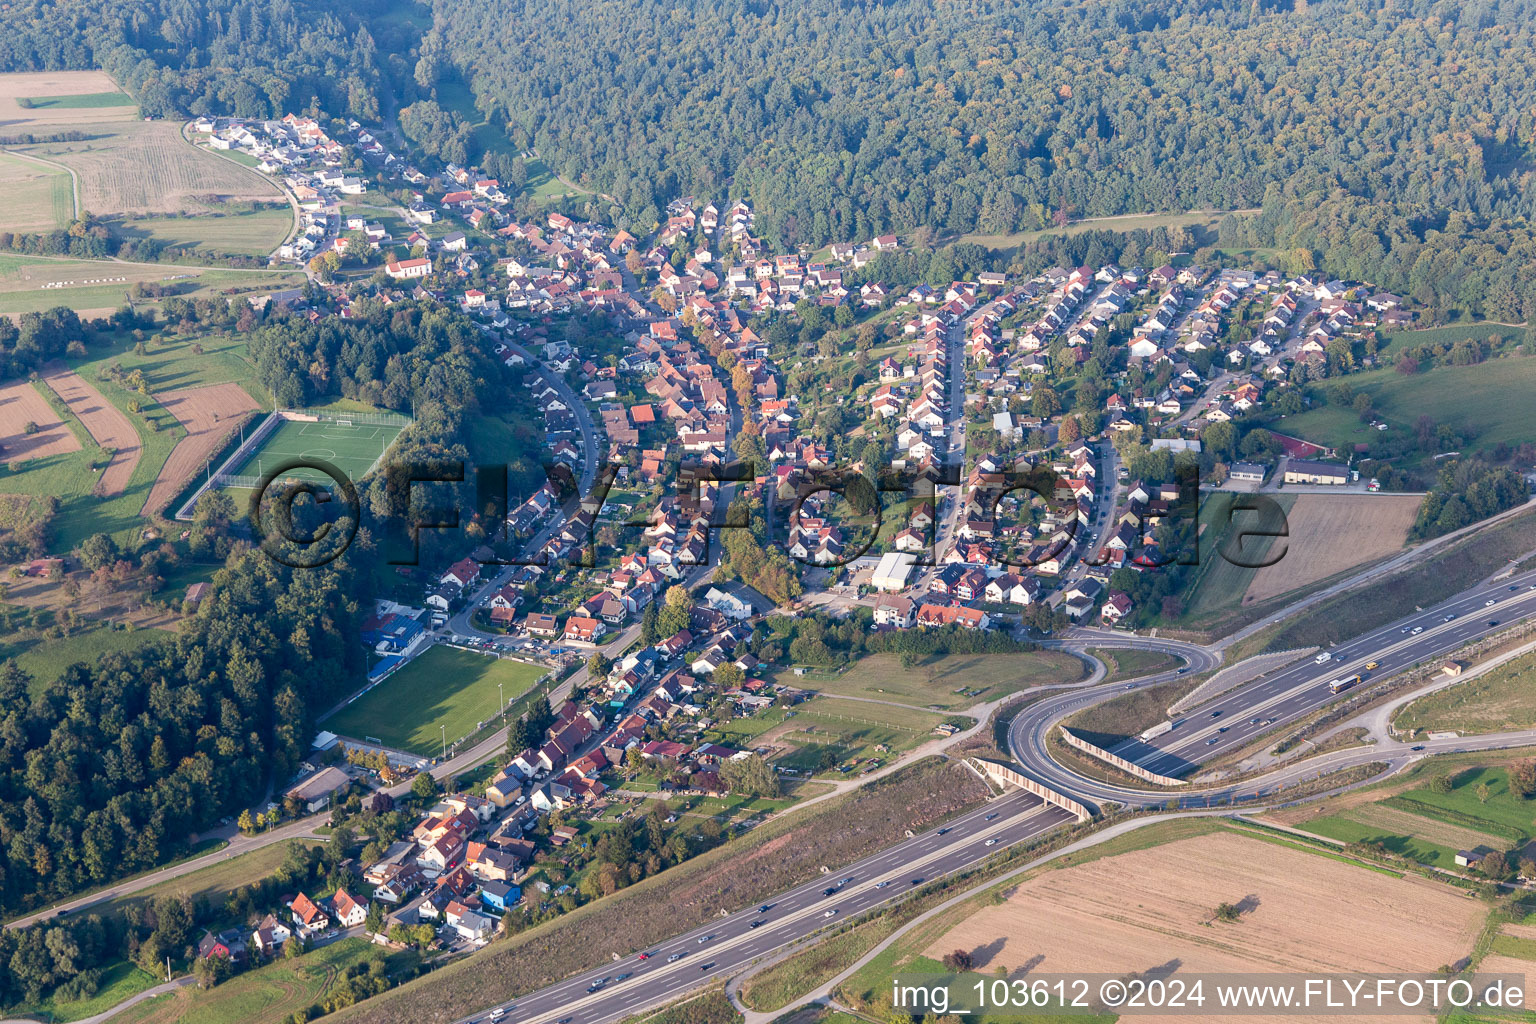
{"points": [[225, 475]]}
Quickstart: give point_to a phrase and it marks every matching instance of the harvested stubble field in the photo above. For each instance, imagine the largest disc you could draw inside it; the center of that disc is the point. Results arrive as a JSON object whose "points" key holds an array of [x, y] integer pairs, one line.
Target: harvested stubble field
{"points": [[210, 414], [771, 858], [1411, 819], [108, 426], [20, 404], [1152, 910], [38, 197], [1331, 533], [1497, 964], [146, 167], [17, 120], [1450, 569], [1395, 821]]}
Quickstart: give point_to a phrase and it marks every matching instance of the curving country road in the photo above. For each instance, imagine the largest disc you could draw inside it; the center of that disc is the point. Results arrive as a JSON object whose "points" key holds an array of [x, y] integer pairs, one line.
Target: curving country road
{"points": [[300, 828], [462, 623]]}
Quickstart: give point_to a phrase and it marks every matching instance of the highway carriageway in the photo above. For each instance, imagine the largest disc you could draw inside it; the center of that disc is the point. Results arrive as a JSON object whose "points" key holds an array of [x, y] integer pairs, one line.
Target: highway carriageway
{"points": [[1303, 688], [791, 916], [1287, 696]]}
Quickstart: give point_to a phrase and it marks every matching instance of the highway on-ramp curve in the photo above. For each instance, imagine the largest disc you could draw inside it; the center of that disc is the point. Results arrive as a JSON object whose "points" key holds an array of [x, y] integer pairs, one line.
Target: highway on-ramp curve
{"points": [[733, 943], [1237, 717], [730, 943]]}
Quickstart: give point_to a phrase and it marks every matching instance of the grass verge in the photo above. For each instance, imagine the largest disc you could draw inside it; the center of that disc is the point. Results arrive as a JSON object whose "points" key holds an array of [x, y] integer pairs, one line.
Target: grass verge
{"points": [[747, 870], [1458, 566]]}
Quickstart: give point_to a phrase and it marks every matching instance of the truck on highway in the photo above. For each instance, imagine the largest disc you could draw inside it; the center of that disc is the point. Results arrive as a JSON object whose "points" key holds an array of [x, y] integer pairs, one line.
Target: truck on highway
{"points": [[1340, 685]]}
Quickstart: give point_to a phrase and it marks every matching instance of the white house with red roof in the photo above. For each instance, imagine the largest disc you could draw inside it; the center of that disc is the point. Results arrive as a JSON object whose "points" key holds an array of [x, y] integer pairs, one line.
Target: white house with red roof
{"points": [[309, 918], [349, 912], [463, 572], [407, 269], [1117, 607]]}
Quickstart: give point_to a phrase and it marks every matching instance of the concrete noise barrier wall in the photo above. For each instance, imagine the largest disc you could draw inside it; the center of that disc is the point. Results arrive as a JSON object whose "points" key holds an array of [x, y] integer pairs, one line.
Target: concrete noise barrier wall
{"points": [[1119, 762], [1007, 775]]}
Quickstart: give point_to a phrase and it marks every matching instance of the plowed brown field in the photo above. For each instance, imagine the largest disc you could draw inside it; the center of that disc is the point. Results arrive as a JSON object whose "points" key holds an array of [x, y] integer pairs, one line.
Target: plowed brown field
{"points": [[106, 423], [1152, 911], [209, 414], [20, 404]]}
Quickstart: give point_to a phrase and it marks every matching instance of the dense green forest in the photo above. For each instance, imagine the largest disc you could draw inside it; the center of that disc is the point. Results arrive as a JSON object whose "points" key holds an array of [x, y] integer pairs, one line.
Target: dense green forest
{"points": [[1391, 141], [425, 360], [252, 58], [111, 768], [1383, 141], [391, 356], [841, 119]]}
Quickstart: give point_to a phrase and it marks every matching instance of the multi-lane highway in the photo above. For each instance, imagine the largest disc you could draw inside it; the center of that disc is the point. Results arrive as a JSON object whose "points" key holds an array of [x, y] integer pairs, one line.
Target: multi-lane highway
{"points": [[726, 945], [1236, 718], [1287, 695]]}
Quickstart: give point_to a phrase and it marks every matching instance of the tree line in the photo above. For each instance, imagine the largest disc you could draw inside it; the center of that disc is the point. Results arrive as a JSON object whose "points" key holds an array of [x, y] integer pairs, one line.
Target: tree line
{"points": [[114, 767]]}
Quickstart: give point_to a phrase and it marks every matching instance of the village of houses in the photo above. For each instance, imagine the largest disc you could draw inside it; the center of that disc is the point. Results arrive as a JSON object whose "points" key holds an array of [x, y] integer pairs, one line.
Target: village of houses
{"points": [[949, 386]]}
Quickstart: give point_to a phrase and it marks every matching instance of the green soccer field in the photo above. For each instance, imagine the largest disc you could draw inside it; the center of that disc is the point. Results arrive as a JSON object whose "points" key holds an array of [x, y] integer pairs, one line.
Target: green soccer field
{"points": [[441, 694], [351, 449]]}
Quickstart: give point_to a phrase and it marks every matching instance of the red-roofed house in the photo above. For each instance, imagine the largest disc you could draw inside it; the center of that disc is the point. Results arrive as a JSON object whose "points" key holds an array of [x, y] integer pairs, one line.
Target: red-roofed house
{"points": [[349, 912], [582, 629], [1116, 608], [404, 269], [945, 615], [308, 916], [463, 572]]}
